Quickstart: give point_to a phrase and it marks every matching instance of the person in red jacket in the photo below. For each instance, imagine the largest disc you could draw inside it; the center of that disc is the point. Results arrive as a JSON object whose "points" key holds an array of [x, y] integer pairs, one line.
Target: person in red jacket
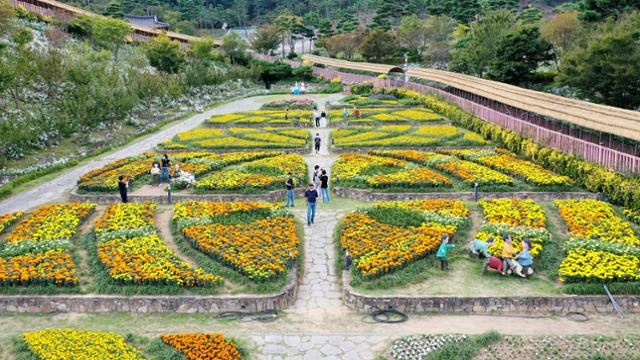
{"points": [[493, 263]]}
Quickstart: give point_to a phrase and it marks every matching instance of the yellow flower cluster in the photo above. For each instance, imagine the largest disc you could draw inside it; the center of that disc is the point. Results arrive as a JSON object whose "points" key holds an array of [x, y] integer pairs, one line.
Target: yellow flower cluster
{"points": [[379, 248], [147, 260], [420, 157], [240, 138], [199, 209], [64, 344], [419, 114], [6, 220], [126, 216], [199, 133], [279, 165], [532, 173], [261, 249], [233, 179], [437, 130], [225, 118], [440, 206], [261, 117], [593, 218], [410, 178], [474, 137], [582, 264], [350, 165], [395, 128], [359, 137], [471, 172], [51, 222], [55, 267]]}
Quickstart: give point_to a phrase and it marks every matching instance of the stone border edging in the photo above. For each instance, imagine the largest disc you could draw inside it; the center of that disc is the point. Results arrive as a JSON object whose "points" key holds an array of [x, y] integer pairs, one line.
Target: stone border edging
{"points": [[490, 305], [369, 195], [151, 303], [271, 196]]}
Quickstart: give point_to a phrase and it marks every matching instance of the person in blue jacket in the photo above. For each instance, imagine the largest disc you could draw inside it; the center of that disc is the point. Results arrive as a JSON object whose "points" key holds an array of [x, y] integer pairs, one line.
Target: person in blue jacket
{"points": [[525, 259], [442, 252], [479, 246]]}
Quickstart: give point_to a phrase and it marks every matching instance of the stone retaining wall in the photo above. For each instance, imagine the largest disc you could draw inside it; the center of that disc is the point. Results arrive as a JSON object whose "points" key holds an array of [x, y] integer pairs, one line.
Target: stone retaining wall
{"points": [[271, 196], [368, 195], [151, 303], [535, 305]]}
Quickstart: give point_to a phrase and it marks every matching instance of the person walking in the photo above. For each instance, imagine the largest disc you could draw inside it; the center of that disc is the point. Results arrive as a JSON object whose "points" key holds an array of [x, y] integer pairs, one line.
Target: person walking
{"points": [[442, 252], [316, 176], [324, 187], [166, 163], [311, 195], [323, 119], [316, 143], [123, 184], [290, 184], [316, 116], [286, 115]]}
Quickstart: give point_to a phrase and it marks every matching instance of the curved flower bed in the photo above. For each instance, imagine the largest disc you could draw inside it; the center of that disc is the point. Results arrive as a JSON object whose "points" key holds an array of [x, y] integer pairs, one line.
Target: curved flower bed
{"points": [[530, 172], [51, 222], [239, 138], [203, 346], [472, 173], [64, 344], [208, 209], [8, 219], [403, 135], [410, 178], [53, 267]]}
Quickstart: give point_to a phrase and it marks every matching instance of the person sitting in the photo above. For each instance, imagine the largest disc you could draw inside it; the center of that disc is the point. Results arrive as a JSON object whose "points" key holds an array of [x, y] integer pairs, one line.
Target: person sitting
{"points": [[177, 171], [507, 253], [478, 246], [524, 259], [155, 174]]}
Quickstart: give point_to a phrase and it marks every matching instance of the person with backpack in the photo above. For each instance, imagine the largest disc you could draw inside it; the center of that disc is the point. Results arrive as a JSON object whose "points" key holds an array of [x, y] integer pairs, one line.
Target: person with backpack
{"points": [[316, 176], [324, 187], [316, 143], [290, 187], [311, 195]]}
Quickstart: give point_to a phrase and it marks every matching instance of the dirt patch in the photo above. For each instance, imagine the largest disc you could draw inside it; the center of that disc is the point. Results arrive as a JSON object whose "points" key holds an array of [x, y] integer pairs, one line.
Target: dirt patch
{"points": [[84, 271], [151, 190], [162, 220]]}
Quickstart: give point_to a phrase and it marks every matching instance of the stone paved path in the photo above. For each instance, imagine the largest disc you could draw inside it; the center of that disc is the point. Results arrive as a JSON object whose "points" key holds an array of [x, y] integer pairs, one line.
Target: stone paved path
{"points": [[311, 347]]}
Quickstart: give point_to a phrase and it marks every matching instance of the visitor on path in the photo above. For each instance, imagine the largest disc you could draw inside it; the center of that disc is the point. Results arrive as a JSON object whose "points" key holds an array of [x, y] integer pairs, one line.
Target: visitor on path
{"points": [[324, 187], [311, 195], [480, 247], [316, 143], [286, 115], [316, 176], [316, 116], [123, 184], [345, 113], [524, 259], [166, 163], [507, 254], [155, 174], [323, 119], [290, 184], [442, 252], [356, 112]]}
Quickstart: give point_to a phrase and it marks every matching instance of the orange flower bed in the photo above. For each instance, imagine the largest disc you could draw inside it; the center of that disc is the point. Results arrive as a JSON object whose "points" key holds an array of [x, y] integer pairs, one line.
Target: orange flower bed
{"points": [[261, 249], [198, 209], [6, 220], [51, 222], [379, 248], [203, 346], [52, 267]]}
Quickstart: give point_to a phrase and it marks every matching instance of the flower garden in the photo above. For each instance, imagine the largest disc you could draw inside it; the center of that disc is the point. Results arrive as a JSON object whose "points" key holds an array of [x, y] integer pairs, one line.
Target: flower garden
{"points": [[385, 116], [444, 170], [241, 137], [251, 171], [296, 117]]}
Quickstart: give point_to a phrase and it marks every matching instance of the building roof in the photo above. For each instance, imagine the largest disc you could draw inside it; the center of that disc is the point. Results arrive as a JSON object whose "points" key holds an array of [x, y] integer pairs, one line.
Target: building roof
{"points": [[148, 21], [375, 68]]}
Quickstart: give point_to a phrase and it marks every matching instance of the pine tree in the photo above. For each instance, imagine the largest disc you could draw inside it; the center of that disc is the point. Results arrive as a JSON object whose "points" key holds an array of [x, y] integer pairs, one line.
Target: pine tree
{"points": [[114, 9]]}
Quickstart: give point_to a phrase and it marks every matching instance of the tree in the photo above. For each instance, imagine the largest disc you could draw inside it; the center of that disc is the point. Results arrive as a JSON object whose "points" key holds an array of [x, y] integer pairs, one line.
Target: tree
{"points": [[114, 10], [474, 53], [266, 39], [462, 10], [110, 34], [562, 31], [412, 34], [518, 56], [272, 72], [488, 6], [325, 28], [531, 15], [287, 24], [607, 68], [345, 44], [165, 54], [7, 13], [202, 49], [439, 31], [378, 46], [348, 23], [596, 10], [235, 47]]}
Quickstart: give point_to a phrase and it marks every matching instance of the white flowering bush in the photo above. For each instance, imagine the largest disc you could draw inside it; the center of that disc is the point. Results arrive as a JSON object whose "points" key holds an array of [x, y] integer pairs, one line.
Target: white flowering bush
{"points": [[418, 347], [183, 181]]}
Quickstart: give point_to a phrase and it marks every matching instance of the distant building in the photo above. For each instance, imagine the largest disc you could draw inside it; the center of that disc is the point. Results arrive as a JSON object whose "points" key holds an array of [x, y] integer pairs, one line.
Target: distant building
{"points": [[146, 21]]}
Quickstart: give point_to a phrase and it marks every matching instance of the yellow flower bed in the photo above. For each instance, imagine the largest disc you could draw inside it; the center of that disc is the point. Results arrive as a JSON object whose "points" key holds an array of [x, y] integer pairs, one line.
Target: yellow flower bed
{"points": [[582, 264], [420, 157], [532, 173], [401, 140], [350, 165], [239, 157], [513, 212], [363, 137], [198, 209], [410, 178], [65, 344], [471, 136], [233, 179], [53, 267], [197, 134], [277, 139], [386, 117], [203, 346], [593, 218], [231, 142], [296, 133], [147, 260], [377, 248], [395, 128], [471, 172], [126, 216], [106, 179], [279, 165], [437, 130], [253, 120], [225, 118], [6, 220], [419, 115], [51, 222], [440, 206], [262, 249]]}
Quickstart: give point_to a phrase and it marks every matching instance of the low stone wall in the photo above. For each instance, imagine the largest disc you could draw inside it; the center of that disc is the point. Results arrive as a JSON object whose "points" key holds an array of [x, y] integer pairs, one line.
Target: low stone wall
{"points": [[368, 195], [339, 150], [271, 196], [538, 305], [151, 303]]}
